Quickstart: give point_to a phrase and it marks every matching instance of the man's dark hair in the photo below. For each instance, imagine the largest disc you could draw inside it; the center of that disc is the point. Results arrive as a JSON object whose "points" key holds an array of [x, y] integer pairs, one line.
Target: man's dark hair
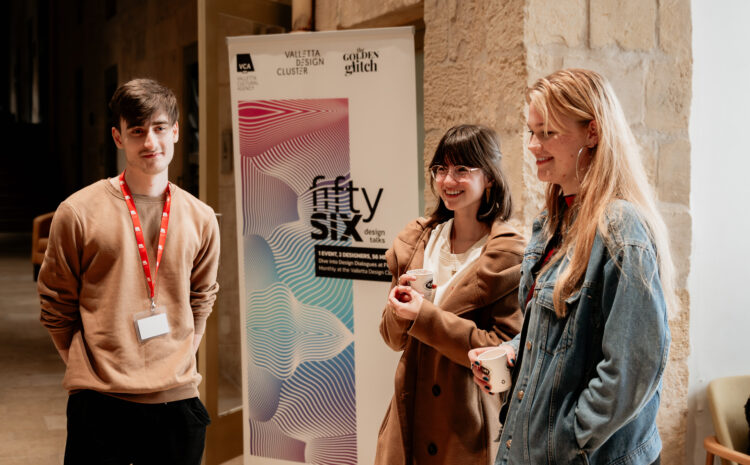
{"points": [[138, 100]]}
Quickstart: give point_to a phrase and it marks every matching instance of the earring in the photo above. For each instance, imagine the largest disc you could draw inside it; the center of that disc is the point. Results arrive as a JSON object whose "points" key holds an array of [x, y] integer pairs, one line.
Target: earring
{"points": [[487, 194], [578, 157]]}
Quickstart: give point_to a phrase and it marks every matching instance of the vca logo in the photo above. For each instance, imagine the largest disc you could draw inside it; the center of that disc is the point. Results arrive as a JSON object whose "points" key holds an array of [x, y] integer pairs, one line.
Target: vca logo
{"points": [[244, 63]]}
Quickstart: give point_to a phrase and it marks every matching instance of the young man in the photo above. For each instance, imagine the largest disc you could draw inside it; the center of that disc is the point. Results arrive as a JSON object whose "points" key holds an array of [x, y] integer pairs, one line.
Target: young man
{"points": [[127, 283]]}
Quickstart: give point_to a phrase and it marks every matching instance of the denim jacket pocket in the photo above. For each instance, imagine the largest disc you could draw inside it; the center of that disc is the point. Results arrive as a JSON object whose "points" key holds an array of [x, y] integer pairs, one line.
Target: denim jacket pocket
{"points": [[560, 331], [563, 437]]}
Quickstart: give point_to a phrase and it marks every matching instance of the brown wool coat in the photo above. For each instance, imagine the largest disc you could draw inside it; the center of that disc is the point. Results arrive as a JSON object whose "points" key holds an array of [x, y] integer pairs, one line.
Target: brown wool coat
{"points": [[437, 414]]}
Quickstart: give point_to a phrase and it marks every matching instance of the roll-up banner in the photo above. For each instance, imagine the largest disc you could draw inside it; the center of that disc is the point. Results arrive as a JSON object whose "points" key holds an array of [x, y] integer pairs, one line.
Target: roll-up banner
{"points": [[326, 168]]}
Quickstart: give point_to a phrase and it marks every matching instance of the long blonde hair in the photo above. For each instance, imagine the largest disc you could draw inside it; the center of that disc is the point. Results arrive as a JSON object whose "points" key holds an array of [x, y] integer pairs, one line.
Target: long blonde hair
{"points": [[614, 172]]}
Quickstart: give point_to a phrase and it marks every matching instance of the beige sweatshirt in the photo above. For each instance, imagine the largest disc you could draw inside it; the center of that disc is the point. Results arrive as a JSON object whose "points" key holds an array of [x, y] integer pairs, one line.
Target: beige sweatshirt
{"points": [[92, 284]]}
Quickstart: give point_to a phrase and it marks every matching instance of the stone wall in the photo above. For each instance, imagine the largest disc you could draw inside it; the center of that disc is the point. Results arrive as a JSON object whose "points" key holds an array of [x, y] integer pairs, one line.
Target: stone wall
{"points": [[345, 14], [479, 57], [475, 72]]}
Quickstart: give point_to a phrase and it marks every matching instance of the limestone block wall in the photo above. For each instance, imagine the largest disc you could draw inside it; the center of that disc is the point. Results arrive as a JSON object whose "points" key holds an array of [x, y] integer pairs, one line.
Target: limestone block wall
{"points": [[346, 14], [475, 72], [644, 48]]}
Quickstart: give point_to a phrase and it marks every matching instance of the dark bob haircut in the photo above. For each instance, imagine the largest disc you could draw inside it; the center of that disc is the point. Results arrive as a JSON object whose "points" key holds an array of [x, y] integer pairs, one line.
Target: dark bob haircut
{"points": [[138, 100], [477, 147]]}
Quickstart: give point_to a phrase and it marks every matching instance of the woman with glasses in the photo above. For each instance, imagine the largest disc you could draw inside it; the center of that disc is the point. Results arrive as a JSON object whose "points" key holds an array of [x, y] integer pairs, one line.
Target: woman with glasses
{"points": [[596, 282], [437, 414]]}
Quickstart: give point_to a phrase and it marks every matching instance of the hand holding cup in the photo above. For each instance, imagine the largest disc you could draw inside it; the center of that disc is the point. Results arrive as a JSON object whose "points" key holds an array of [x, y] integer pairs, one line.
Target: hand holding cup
{"points": [[490, 366], [402, 295], [405, 302], [422, 282]]}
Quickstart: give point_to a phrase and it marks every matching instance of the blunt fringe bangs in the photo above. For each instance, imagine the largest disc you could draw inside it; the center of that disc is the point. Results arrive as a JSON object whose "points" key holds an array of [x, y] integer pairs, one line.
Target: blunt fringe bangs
{"points": [[477, 147]]}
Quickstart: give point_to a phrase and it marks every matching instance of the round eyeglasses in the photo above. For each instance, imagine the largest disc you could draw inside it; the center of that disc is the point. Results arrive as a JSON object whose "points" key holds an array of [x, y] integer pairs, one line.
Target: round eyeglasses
{"points": [[458, 172]]}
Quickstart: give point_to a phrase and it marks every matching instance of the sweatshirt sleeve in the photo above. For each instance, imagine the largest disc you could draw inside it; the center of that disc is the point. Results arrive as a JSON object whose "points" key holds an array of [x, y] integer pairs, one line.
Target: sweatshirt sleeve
{"points": [[203, 285], [58, 283]]}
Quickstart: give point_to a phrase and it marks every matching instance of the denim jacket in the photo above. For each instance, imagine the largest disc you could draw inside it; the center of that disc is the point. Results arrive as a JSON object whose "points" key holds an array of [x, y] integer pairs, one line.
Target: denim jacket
{"points": [[588, 385]]}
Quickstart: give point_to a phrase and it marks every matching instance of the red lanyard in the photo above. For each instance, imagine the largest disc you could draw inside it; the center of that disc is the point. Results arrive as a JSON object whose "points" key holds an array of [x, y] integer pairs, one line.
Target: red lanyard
{"points": [[150, 279]]}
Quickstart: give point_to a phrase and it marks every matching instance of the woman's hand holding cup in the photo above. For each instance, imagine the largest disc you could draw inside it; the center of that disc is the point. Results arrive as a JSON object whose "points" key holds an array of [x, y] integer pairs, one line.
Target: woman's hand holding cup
{"points": [[405, 302], [421, 280], [413, 287], [490, 365], [404, 281]]}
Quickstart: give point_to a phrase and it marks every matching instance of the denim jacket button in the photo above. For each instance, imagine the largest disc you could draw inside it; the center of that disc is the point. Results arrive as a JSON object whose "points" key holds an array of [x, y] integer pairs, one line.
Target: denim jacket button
{"points": [[507, 443], [520, 395], [528, 345]]}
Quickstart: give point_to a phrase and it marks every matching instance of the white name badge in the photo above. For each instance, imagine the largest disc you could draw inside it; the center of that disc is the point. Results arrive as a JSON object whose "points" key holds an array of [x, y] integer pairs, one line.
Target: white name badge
{"points": [[150, 324]]}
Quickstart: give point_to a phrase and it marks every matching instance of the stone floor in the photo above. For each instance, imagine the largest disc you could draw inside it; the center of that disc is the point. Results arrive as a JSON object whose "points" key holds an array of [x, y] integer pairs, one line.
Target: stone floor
{"points": [[32, 400]]}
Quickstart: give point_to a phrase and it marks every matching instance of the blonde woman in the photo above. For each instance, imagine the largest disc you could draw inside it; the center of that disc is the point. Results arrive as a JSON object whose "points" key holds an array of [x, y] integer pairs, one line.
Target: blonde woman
{"points": [[437, 415], [596, 282]]}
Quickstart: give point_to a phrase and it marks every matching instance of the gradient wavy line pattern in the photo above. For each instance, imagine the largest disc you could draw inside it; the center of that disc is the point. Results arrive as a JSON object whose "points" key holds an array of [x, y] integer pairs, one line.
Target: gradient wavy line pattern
{"points": [[333, 294], [267, 123], [267, 440], [275, 177], [263, 219], [306, 411], [298, 328], [309, 150], [319, 451], [305, 415], [284, 332]]}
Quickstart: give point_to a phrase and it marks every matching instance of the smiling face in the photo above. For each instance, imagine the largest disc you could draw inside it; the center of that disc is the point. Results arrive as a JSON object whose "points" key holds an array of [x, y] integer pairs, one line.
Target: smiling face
{"points": [[464, 195], [557, 150], [148, 146]]}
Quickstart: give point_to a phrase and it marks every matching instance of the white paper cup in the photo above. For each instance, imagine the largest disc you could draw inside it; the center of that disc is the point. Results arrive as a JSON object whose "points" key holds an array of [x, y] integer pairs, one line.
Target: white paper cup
{"points": [[423, 283], [494, 364]]}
